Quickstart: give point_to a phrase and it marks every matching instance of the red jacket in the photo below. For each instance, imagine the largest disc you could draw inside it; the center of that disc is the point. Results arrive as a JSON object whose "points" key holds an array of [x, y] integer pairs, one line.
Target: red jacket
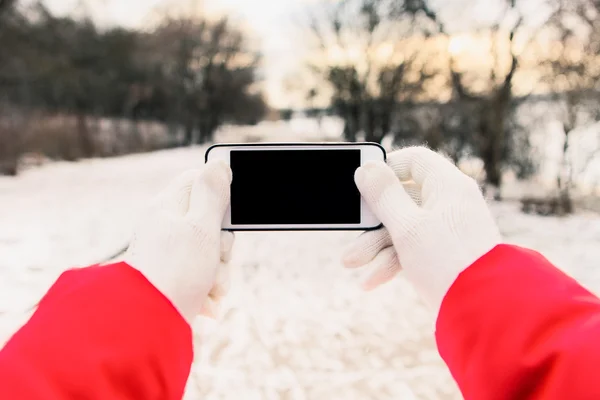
{"points": [[511, 327]]}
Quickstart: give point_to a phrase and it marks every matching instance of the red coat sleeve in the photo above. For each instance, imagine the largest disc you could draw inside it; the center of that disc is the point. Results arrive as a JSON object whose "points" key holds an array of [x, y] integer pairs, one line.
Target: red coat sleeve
{"points": [[99, 333], [512, 326]]}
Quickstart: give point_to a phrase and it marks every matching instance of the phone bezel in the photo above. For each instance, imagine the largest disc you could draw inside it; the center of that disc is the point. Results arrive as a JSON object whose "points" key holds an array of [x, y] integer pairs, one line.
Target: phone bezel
{"points": [[369, 152]]}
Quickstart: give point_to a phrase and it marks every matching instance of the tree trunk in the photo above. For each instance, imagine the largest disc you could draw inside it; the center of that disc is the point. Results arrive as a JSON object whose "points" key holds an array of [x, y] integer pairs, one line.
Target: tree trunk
{"points": [[491, 142], [499, 140], [350, 124], [208, 126], [188, 132], [349, 132], [354, 119], [386, 117], [85, 141], [490, 157], [433, 136], [371, 134], [492, 171], [135, 141], [564, 179]]}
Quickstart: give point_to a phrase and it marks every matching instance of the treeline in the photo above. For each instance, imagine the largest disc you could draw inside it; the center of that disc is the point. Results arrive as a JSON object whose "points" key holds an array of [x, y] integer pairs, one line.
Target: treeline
{"points": [[190, 74], [380, 61]]}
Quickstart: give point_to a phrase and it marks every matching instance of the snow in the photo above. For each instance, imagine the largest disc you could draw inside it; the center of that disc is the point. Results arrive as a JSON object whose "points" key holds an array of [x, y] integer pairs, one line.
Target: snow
{"points": [[296, 324]]}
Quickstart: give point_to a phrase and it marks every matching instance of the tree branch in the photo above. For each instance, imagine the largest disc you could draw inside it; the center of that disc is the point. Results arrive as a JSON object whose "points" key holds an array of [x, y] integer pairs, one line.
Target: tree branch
{"points": [[514, 64], [458, 86], [432, 15]]}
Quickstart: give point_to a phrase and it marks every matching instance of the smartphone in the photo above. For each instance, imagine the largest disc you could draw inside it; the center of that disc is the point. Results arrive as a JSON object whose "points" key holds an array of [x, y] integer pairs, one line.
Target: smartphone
{"points": [[296, 186]]}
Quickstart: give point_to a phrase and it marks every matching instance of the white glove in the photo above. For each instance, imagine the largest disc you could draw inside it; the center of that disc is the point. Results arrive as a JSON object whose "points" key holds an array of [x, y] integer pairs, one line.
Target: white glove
{"points": [[435, 226], [178, 245]]}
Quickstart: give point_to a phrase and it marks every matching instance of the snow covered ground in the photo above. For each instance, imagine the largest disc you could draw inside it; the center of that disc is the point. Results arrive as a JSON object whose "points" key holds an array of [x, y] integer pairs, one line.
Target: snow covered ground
{"points": [[296, 325]]}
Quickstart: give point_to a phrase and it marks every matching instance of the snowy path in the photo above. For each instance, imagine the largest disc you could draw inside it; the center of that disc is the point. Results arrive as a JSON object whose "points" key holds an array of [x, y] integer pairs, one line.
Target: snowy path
{"points": [[296, 325]]}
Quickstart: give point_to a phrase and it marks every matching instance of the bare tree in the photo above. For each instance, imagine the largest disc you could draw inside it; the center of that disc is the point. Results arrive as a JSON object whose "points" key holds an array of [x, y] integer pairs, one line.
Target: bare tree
{"points": [[487, 96], [572, 73], [363, 52], [188, 72], [211, 71]]}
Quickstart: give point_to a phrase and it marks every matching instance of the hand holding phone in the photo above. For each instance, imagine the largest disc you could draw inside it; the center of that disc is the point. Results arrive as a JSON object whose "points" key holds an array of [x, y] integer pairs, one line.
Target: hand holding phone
{"points": [[434, 229], [181, 228], [296, 186]]}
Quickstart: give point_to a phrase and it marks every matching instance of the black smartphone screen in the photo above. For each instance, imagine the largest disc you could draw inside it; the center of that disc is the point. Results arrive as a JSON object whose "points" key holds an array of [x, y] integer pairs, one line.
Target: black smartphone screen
{"points": [[283, 187]]}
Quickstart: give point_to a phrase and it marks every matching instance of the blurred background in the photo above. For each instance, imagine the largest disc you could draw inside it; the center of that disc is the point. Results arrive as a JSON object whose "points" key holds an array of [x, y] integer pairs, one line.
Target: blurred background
{"points": [[508, 85], [103, 101]]}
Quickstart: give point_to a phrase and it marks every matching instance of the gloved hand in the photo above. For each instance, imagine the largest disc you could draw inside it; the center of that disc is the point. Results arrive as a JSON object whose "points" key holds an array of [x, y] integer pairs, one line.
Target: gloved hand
{"points": [[178, 245], [435, 226]]}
